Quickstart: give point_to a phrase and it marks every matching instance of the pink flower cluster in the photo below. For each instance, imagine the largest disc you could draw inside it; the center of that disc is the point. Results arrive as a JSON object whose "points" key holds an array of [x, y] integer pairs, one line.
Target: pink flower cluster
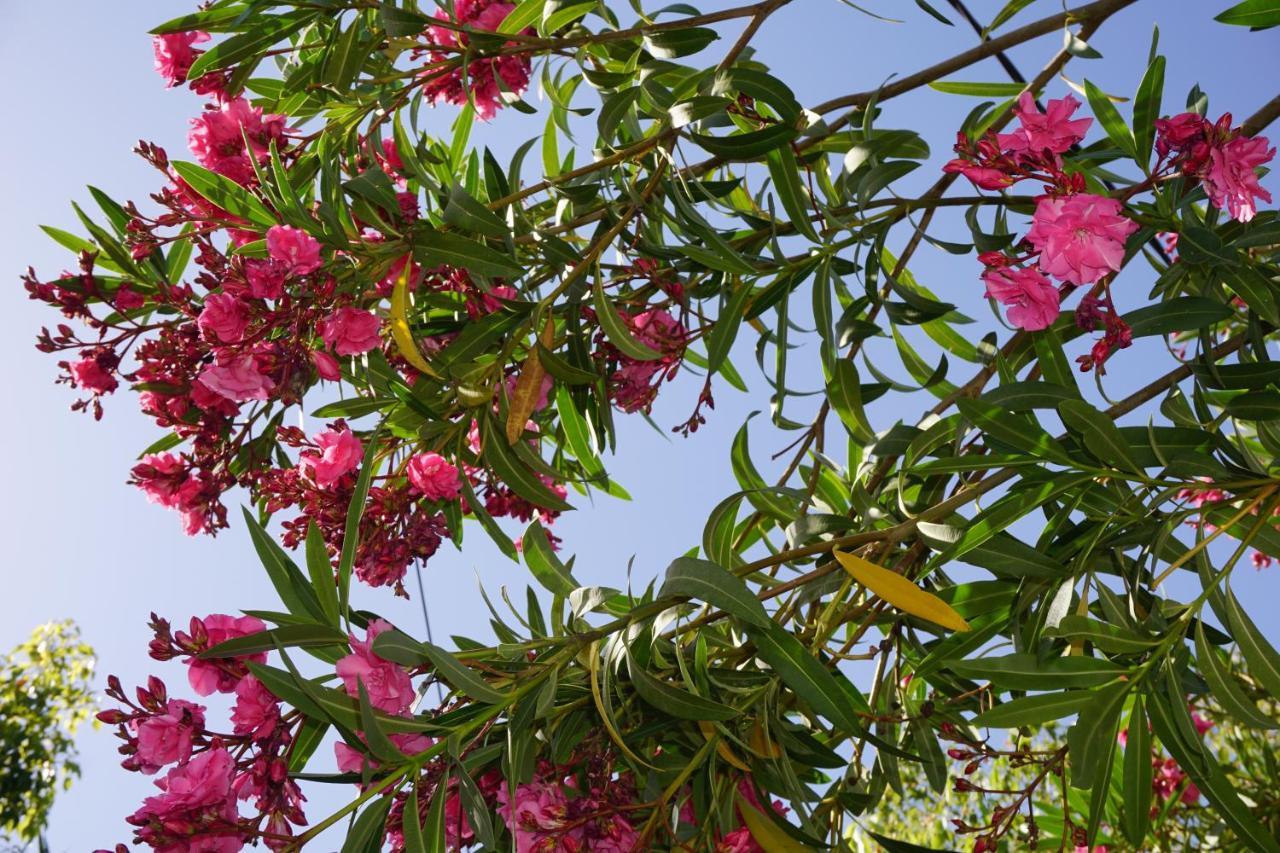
{"points": [[224, 138], [209, 774], [487, 82], [175, 54], [1225, 160]]}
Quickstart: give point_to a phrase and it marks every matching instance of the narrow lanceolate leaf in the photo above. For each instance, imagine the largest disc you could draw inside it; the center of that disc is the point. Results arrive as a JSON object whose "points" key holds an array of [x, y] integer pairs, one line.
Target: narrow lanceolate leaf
{"points": [[285, 635], [901, 593], [676, 701], [804, 674], [524, 397], [1224, 687], [1094, 734], [771, 837], [1252, 13], [398, 319], [1035, 710], [375, 738], [1109, 118], [784, 169], [543, 562], [1024, 671], [1138, 773], [225, 193], [709, 582], [616, 330], [1263, 661], [437, 248], [365, 835], [392, 645], [320, 569], [351, 531], [411, 823], [286, 577], [1146, 109], [1100, 434]]}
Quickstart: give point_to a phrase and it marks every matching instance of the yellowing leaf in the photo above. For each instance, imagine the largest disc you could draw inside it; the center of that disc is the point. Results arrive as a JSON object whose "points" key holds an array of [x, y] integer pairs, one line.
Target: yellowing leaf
{"points": [[400, 333], [896, 590], [766, 833], [760, 743], [708, 730], [524, 397]]}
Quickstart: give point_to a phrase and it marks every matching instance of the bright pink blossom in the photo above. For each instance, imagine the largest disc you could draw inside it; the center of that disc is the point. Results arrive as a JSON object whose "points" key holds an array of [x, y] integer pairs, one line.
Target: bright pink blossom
{"points": [[1231, 180], [536, 814], [984, 177], [175, 54], [257, 710], [340, 452], [217, 138], [196, 813], [223, 318], [1032, 299], [351, 331], [1080, 237], [167, 738], [433, 477], [88, 374], [207, 676], [295, 248], [238, 379], [1052, 130], [266, 278], [326, 365], [386, 683], [481, 81]]}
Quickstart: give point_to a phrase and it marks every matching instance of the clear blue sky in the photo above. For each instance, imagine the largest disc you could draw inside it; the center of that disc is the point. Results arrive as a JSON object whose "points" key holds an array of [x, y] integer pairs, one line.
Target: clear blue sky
{"points": [[82, 544]]}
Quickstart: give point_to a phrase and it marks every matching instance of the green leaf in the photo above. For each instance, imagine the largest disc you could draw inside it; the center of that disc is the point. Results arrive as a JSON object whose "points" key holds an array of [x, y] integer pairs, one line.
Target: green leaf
{"points": [[440, 248], [320, 702], [678, 703], [804, 674], [286, 577], [673, 44], [266, 31], [1252, 13], [320, 568], [400, 648], [513, 471], [525, 14], [355, 509], [1263, 661], [1101, 435], [1146, 109], [1138, 774], [1093, 735], [397, 22], [1255, 406], [762, 497], [746, 146], [464, 212], [1254, 288], [365, 835], [616, 330], [1109, 638], [1034, 710], [543, 562], [981, 90], [784, 169], [725, 331], [844, 392], [1109, 118], [284, 636], [1182, 314], [306, 742], [375, 738], [225, 193], [1024, 671], [1014, 430], [691, 578], [1224, 687]]}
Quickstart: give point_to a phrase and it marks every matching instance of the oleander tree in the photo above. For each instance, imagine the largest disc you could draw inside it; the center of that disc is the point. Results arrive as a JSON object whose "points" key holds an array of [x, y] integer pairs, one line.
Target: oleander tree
{"points": [[970, 531], [45, 695]]}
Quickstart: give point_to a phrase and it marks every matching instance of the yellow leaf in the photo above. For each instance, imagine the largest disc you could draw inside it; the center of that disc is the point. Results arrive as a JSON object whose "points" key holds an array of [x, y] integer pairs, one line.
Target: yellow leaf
{"points": [[722, 749], [524, 397], [896, 590], [766, 833], [761, 744], [400, 333]]}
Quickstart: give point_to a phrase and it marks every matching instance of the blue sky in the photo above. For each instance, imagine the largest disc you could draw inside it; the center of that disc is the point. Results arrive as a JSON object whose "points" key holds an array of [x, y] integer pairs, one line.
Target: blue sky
{"points": [[82, 544]]}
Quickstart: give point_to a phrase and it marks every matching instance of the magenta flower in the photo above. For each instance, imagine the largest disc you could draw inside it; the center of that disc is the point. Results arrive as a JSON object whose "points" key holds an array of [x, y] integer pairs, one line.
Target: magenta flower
{"points": [[213, 675], [433, 477], [88, 374], [483, 75], [223, 318], [387, 684], [983, 177], [265, 277], [256, 711], [340, 452], [217, 138], [295, 248], [351, 331], [326, 365], [1230, 179], [238, 379], [167, 738], [1080, 237], [197, 809], [1052, 130], [175, 54], [1032, 299]]}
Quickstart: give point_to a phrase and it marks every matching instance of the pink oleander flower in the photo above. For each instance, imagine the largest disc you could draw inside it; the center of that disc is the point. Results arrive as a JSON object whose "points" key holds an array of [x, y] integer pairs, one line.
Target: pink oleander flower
{"points": [[210, 676], [217, 138], [738, 841], [238, 379], [1032, 299], [340, 452], [1080, 237], [984, 177], [1260, 560], [257, 710], [88, 374], [167, 738], [196, 812], [175, 54], [482, 76], [295, 248], [536, 815], [223, 318], [351, 331], [351, 760], [1230, 178], [326, 365], [1180, 132], [386, 683], [1052, 130], [265, 277], [433, 477]]}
